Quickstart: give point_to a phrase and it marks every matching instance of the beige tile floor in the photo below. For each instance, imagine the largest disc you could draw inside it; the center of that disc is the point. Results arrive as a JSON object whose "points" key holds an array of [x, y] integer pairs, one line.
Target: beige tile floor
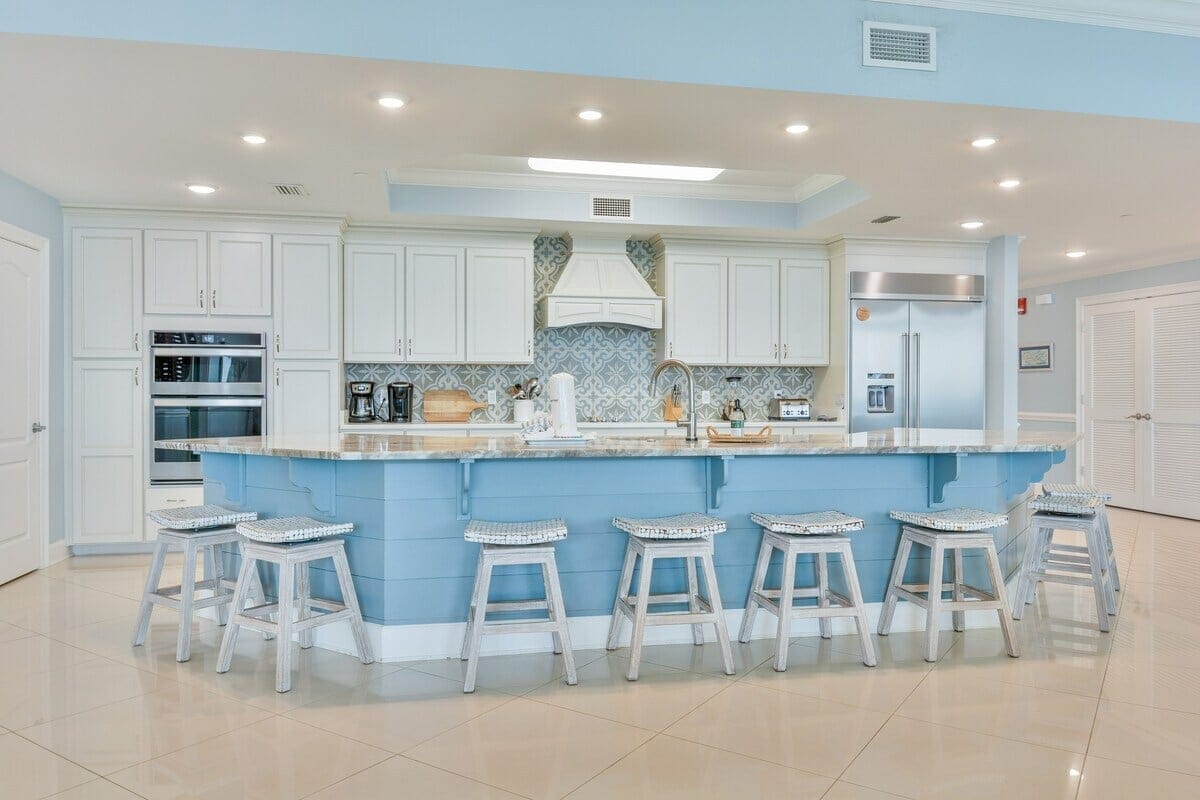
{"points": [[1081, 715]]}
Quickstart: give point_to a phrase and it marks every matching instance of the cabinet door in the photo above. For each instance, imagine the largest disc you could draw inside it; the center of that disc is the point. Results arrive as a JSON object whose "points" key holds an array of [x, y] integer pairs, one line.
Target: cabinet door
{"points": [[239, 274], [697, 314], [106, 292], [804, 311], [306, 398], [374, 315], [109, 454], [499, 306], [176, 272], [753, 310], [434, 303], [306, 288]]}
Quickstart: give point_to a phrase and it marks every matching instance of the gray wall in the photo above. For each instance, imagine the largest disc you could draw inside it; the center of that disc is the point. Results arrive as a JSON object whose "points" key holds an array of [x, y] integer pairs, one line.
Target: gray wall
{"points": [[26, 207]]}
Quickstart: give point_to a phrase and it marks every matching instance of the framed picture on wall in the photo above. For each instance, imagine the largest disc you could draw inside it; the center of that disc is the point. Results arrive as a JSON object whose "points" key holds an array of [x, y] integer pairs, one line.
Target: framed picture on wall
{"points": [[1036, 358]]}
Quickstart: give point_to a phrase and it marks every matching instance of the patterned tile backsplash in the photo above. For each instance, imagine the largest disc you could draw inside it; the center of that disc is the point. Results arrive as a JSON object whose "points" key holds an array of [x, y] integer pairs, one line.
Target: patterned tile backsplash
{"points": [[611, 365]]}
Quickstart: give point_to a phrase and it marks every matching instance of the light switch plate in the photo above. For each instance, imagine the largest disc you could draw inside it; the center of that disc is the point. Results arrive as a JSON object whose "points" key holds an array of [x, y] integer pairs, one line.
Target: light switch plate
{"points": [[705, 396], [491, 397]]}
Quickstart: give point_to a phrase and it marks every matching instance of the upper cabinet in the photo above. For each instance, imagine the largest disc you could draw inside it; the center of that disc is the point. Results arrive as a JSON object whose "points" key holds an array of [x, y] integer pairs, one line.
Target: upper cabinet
{"points": [[306, 286], [176, 272], [434, 305], [193, 272], [374, 303], [804, 311], [499, 306], [239, 274], [753, 310], [106, 292], [696, 308]]}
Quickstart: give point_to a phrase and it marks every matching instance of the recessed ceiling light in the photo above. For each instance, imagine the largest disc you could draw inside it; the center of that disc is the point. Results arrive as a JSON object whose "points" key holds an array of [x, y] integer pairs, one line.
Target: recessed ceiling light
{"points": [[1010, 183], [1076, 253], [616, 169], [984, 141], [797, 128], [590, 114], [392, 101], [200, 188], [971, 224], [254, 138]]}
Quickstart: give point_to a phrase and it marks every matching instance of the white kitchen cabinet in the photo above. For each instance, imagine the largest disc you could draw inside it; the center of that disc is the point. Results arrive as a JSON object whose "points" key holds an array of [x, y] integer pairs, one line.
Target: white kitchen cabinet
{"points": [[306, 289], [374, 304], [434, 304], [306, 398], [106, 292], [697, 310], [239, 274], [499, 306], [804, 311], [109, 451], [753, 310], [176, 272]]}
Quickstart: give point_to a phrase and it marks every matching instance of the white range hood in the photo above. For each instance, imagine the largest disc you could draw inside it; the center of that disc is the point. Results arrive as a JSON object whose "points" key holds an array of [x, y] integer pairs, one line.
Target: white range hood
{"points": [[601, 286]]}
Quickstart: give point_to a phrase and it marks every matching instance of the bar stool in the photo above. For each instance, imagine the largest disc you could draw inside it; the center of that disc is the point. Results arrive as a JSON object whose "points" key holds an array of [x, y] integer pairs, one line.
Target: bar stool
{"points": [[818, 533], [1079, 492], [293, 543], [954, 530], [507, 544], [195, 529], [1088, 565], [686, 536]]}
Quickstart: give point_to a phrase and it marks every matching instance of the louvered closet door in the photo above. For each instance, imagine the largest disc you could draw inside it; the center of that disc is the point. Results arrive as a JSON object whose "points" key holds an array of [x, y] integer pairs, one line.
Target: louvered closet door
{"points": [[1171, 339], [1110, 401]]}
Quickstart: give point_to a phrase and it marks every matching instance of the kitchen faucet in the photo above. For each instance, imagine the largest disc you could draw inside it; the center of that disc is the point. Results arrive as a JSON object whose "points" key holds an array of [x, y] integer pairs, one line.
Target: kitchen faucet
{"points": [[691, 383]]}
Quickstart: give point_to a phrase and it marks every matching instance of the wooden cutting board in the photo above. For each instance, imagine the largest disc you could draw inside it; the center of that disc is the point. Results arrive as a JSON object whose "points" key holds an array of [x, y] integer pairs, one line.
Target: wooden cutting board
{"points": [[449, 405]]}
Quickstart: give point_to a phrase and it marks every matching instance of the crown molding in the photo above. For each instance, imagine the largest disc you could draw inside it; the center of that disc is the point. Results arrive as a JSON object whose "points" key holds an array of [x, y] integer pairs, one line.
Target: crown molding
{"points": [[1100, 270], [1177, 17]]}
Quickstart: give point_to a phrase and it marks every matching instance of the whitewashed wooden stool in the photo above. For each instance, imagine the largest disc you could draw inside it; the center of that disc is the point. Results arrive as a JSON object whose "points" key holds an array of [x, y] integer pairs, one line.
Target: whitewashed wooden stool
{"points": [[953, 530], [686, 536], [1089, 565], [507, 544], [196, 530], [1073, 491], [817, 533], [293, 543]]}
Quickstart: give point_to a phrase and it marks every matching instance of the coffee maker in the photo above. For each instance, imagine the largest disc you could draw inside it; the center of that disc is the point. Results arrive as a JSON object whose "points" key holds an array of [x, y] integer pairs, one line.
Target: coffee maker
{"points": [[400, 402], [362, 408]]}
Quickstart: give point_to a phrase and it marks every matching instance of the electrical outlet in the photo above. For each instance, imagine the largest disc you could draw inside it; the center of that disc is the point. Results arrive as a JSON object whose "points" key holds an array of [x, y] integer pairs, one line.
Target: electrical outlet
{"points": [[777, 394], [705, 397], [491, 397]]}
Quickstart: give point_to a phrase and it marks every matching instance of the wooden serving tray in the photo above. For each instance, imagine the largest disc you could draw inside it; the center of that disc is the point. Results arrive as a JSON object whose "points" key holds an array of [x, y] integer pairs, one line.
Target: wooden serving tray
{"points": [[717, 437], [449, 405]]}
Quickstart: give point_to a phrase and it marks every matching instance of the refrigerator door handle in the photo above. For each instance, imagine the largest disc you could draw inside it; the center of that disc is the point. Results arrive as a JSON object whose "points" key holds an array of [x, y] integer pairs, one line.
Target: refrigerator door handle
{"points": [[907, 389], [917, 381]]}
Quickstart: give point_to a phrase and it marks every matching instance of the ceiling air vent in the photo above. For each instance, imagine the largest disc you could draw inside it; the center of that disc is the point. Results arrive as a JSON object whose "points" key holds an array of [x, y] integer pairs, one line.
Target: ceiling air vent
{"points": [[612, 207], [291, 190], [886, 44], [885, 219]]}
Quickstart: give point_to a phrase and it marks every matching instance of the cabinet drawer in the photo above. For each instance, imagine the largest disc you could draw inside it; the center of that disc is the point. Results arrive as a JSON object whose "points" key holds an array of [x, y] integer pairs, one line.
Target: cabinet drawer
{"points": [[158, 497]]}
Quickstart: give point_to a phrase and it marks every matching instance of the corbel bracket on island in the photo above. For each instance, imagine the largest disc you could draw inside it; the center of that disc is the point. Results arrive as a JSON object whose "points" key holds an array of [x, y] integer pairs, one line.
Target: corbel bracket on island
{"points": [[718, 470], [319, 479], [943, 470]]}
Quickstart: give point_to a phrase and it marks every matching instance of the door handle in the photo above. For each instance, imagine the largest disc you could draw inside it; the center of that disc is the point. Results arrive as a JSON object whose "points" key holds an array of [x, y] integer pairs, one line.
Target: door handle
{"points": [[38, 427], [917, 381], [907, 385], [1145, 416]]}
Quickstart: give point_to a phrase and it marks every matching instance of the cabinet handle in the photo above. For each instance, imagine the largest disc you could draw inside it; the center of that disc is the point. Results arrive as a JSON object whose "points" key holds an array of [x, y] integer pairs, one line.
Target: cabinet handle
{"points": [[671, 349], [785, 350], [202, 298], [410, 348], [137, 376], [277, 343], [775, 351], [529, 348], [137, 344], [399, 347], [212, 297], [277, 376]]}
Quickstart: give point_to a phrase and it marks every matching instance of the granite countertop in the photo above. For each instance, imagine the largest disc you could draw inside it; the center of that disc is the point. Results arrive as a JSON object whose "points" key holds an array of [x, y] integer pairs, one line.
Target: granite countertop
{"points": [[366, 446]]}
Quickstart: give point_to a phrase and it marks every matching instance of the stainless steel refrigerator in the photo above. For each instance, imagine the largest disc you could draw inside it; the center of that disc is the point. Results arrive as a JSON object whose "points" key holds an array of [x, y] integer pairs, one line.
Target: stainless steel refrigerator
{"points": [[916, 351]]}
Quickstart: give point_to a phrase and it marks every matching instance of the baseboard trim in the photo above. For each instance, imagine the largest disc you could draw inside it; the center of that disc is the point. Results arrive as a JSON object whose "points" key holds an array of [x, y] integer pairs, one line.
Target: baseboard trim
{"points": [[56, 552], [111, 549]]}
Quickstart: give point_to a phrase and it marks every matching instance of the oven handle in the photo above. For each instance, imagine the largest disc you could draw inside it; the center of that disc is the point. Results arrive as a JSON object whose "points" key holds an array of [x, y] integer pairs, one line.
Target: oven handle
{"points": [[245, 352], [206, 402]]}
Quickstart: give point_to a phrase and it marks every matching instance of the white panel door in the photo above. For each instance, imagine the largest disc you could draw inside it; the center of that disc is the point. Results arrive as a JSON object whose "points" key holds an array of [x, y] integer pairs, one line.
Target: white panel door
{"points": [[697, 313], [1171, 427], [239, 274], [804, 311], [106, 292], [109, 436], [20, 364], [499, 314], [176, 272], [374, 315], [1110, 401], [434, 303], [753, 310], [306, 288], [306, 400]]}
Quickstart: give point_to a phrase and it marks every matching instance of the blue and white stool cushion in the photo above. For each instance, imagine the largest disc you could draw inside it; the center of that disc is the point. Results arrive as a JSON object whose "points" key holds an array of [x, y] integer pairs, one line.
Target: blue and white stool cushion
{"points": [[953, 519], [1075, 491], [815, 522], [538, 531], [291, 529], [1071, 506], [194, 518], [680, 526]]}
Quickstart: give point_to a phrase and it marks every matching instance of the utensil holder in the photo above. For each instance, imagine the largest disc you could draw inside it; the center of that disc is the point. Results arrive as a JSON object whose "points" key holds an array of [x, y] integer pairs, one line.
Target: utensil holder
{"points": [[522, 411]]}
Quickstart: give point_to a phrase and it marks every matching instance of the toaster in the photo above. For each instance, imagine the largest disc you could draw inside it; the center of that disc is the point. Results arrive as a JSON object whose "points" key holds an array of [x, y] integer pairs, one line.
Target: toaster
{"points": [[790, 408]]}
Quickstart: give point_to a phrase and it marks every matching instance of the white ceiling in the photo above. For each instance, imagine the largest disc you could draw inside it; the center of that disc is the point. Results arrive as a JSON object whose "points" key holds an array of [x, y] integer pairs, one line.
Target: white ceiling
{"points": [[1180, 17], [121, 123]]}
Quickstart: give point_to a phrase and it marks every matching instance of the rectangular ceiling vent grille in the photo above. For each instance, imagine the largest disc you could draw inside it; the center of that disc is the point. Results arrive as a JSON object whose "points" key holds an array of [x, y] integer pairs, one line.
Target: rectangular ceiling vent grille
{"points": [[899, 46], [885, 219], [291, 190], [612, 207]]}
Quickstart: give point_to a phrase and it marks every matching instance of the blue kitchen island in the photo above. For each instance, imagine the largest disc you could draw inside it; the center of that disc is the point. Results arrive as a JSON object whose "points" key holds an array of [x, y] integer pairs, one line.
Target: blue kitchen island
{"points": [[409, 498]]}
